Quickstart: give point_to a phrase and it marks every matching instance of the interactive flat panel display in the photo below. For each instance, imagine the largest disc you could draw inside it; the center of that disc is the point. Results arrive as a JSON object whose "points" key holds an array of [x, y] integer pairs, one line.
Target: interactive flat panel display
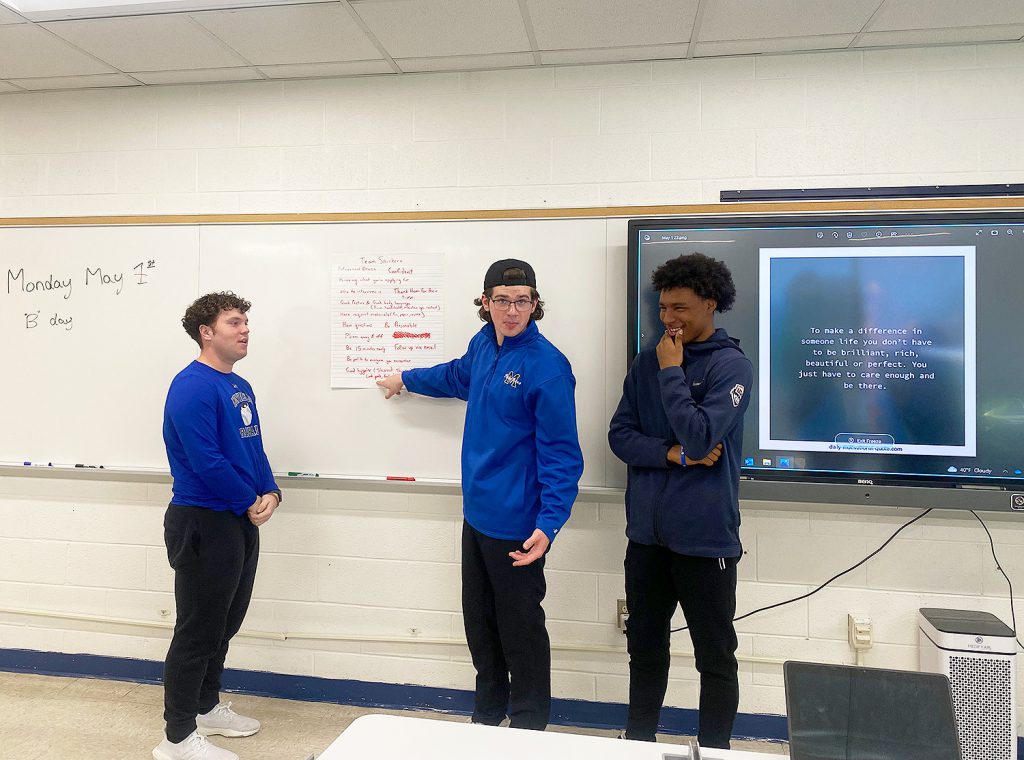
{"points": [[889, 365]]}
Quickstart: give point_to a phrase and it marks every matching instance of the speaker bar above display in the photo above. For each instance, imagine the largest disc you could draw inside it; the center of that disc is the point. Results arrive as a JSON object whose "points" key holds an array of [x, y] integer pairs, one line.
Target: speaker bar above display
{"points": [[870, 193]]}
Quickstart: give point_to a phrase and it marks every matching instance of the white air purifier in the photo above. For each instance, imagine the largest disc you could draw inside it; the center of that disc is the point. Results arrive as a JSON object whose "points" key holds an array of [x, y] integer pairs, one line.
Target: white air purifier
{"points": [[978, 653]]}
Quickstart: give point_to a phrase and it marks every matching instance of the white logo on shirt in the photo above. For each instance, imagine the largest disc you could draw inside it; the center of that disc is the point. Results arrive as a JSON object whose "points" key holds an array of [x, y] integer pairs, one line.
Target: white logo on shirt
{"points": [[511, 378], [246, 411], [736, 394]]}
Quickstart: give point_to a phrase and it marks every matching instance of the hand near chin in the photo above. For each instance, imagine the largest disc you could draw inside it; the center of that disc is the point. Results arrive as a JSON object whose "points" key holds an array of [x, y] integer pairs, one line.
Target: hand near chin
{"points": [[670, 351]]}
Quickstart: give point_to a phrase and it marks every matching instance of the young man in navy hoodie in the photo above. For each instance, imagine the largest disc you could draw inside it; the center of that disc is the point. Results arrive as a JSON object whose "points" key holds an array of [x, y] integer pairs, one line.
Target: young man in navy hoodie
{"points": [[521, 465], [223, 491], [679, 427]]}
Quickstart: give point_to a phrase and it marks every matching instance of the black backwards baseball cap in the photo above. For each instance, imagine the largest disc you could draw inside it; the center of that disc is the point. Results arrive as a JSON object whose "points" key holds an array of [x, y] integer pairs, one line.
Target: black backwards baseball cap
{"points": [[498, 274]]}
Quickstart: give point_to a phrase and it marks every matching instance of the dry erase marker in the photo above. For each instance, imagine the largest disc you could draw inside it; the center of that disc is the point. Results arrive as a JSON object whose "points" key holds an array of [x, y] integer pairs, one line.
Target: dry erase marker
{"points": [[303, 474], [90, 466], [37, 464], [401, 477]]}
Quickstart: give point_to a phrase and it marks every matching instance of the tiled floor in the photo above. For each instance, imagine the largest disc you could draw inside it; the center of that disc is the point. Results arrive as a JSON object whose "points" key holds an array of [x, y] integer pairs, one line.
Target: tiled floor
{"points": [[86, 719]]}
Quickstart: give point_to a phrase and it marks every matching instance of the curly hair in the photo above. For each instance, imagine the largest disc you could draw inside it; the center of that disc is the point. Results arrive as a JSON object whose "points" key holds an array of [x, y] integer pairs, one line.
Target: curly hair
{"points": [[705, 276], [205, 310], [485, 316]]}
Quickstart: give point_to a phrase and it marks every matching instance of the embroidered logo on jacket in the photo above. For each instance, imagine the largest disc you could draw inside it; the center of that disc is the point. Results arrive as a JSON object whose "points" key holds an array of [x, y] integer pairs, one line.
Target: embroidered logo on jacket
{"points": [[736, 394], [511, 378]]}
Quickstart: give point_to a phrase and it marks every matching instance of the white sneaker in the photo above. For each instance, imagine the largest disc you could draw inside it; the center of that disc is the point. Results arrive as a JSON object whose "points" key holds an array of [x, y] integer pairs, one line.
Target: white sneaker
{"points": [[226, 722], [193, 747]]}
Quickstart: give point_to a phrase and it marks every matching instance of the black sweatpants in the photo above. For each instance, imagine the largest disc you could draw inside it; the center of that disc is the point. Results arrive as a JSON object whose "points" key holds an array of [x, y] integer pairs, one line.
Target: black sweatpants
{"points": [[214, 557], [505, 630], [656, 580]]}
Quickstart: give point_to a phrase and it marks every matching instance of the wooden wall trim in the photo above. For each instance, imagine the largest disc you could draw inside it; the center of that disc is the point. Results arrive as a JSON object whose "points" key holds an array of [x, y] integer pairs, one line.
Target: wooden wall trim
{"points": [[810, 207]]}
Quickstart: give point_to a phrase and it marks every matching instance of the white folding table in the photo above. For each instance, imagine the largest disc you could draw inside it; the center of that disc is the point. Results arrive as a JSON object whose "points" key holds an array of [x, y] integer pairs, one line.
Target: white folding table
{"points": [[392, 737]]}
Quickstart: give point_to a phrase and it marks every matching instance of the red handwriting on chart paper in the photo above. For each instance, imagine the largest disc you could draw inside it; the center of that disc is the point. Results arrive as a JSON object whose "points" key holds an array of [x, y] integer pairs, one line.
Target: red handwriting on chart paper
{"points": [[403, 334], [387, 314]]}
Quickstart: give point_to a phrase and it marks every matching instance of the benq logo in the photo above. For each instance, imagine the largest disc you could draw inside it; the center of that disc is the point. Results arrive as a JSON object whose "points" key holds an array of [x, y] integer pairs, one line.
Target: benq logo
{"points": [[865, 482]]}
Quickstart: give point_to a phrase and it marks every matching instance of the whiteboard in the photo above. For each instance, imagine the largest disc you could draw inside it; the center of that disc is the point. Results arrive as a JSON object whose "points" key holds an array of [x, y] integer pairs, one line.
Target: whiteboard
{"points": [[94, 394]]}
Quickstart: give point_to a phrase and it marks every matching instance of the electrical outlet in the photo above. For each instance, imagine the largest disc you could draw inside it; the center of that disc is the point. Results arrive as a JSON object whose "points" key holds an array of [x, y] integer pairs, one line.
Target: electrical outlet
{"points": [[621, 614], [860, 632]]}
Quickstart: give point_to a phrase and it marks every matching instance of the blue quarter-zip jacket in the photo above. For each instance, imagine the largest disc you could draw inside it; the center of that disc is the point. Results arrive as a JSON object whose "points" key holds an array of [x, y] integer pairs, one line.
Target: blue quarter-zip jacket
{"points": [[521, 458], [214, 442], [692, 510]]}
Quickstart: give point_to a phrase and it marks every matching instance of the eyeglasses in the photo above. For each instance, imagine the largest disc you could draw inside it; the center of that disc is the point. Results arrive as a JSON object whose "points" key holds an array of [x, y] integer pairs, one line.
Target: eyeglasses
{"points": [[503, 304]]}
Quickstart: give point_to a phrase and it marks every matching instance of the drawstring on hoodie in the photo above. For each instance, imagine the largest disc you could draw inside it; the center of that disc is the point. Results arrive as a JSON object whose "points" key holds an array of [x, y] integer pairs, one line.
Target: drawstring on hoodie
{"points": [[721, 563]]}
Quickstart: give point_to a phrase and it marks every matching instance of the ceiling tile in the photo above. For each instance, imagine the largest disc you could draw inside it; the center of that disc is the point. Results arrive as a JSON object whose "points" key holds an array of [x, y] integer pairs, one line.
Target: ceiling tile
{"points": [[298, 39], [932, 14], [466, 62], [8, 16], [28, 51], [759, 19], [291, 34], [573, 24], [434, 28], [776, 45], [147, 43], [195, 76], [312, 70], [77, 83], [961, 35], [610, 55]]}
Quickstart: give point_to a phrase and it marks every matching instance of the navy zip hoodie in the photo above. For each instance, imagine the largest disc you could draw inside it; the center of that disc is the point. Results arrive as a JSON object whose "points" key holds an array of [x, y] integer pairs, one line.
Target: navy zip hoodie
{"points": [[521, 458], [691, 510]]}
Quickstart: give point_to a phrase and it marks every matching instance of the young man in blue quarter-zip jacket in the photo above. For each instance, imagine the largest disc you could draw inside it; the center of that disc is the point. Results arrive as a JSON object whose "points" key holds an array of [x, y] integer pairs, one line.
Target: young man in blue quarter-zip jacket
{"points": [[521, 465], [679, 427]]}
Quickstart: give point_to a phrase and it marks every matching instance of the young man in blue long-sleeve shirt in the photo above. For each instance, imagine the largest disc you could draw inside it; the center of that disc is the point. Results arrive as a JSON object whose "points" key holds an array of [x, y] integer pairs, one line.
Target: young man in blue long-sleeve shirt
{"points": [[521, 465], [679, 427], [223, 490]]}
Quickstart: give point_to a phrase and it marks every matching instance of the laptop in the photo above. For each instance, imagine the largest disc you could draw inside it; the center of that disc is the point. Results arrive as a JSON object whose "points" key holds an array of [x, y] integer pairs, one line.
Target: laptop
{"points": [[842, 712]]}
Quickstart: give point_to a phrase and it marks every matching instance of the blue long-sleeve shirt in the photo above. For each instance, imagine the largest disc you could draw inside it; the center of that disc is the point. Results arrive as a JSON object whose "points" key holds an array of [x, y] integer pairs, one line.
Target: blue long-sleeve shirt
{"points": [[521, 457], [214, 441], [692, 510]]}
